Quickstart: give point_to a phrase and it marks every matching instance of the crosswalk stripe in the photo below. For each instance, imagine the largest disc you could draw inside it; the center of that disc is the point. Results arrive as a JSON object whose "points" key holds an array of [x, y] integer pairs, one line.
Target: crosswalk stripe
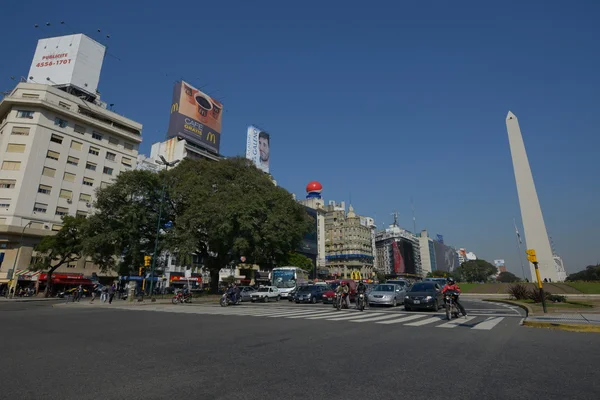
{"points": [[455, 322], [311, 314], [348, 317], [329, 314], [387, 316], [403, 319], [488, 323], [425, 321]]}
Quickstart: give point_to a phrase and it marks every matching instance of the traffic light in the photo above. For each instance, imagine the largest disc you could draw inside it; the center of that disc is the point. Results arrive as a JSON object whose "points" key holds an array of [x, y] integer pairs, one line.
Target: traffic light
{"points": [[141, 271], [531, 256], [147, 260]]}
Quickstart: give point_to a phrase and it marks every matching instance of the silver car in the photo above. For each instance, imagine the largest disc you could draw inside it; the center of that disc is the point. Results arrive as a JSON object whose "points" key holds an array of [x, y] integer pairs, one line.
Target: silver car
{"points": [[245, 292], [387, 294]]}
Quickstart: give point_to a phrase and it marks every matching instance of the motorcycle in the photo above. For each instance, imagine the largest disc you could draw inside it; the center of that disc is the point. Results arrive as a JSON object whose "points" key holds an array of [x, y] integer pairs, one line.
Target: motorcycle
{"points": [[360, 302], [228, 300], [182, 298], [451, 308], [339, 302]]}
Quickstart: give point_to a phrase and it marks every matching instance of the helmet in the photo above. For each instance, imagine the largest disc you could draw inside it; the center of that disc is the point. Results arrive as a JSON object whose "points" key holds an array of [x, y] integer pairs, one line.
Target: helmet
{"points": [[451, 280]]}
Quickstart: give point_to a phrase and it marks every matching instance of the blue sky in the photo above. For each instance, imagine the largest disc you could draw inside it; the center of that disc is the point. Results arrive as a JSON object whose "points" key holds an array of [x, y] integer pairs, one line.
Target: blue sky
{"points": [[380, 101]]}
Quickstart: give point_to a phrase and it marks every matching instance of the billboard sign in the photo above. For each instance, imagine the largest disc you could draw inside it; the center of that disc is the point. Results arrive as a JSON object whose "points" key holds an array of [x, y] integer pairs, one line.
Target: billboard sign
{"points": [[258, 148], [195, 117], [446, 258], [68, 60], [399, 267], [309, 245]]}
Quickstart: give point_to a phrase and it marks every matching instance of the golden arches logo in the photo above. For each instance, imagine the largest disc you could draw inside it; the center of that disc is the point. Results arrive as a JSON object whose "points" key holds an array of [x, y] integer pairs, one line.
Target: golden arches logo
{"points": [[174, 108], [211, 137]]}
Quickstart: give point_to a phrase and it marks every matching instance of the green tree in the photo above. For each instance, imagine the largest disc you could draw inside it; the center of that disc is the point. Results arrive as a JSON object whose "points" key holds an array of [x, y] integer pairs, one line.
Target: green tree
{"points": [[300, 261], [590, 273], [227, 209], [476, 271], [60, 249], [123, 229], [507, 277]]}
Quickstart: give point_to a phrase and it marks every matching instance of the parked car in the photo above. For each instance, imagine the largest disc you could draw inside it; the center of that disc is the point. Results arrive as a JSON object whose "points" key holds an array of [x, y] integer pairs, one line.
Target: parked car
{"points": [[388, 294], [309, 294], [265, 293], [245, 292], [424, 295], [329, 295]]}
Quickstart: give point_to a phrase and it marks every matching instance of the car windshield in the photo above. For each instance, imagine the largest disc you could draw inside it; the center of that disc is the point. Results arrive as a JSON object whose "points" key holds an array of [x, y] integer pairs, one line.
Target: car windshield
{"points": [[423, 287], [383, 288], [263, 289], [305, 289]]}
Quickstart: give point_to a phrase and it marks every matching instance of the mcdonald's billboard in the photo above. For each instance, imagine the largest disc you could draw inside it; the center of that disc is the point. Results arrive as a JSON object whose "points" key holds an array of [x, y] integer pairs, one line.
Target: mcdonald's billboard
{"points": [[195, 117]]}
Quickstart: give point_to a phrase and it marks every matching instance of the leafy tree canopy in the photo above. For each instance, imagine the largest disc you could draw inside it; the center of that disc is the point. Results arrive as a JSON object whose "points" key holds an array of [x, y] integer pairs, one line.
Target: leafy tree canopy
{"points": [[476, 271], [300, 261], [507, 277], [590, 273]]}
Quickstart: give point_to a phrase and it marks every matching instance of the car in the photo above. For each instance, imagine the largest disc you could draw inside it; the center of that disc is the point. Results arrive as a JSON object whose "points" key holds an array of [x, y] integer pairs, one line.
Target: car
{"points": [[424, 295], [388, 294], [309, 294], [440, 281], [291, 293], [245, 292], [265, 293], [329, 294], [402, 282]]}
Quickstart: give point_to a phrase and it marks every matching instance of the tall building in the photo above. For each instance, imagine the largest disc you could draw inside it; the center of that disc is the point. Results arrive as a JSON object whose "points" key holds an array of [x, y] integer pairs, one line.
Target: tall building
{"points": [[348, 243], [536, 235], [398, 252], [177, 149], [314, 203], [427, 252]]}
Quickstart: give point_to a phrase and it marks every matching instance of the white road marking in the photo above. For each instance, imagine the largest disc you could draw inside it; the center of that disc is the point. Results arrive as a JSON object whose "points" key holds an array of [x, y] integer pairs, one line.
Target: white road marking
{"points": [[488, 323], [353, 316], [403, 319], [387, 316], [456, 322], [424, 321]]}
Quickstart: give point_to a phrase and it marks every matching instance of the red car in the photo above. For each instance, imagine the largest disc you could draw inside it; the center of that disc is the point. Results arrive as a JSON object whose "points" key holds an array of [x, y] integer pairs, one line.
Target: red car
{"points": [[329, 295]]}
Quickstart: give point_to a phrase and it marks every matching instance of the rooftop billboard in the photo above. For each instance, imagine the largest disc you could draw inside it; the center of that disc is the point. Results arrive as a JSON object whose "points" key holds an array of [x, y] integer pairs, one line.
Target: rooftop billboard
{"points": [[258, 148], [446, 258], [195, 117]]}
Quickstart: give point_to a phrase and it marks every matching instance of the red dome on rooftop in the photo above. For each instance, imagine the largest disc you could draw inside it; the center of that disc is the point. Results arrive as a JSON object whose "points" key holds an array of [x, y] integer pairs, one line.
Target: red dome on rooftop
{"points": [[314, 186]]}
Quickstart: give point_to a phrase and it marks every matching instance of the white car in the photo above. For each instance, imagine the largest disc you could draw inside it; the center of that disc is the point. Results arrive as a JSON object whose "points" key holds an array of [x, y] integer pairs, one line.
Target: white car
{"points": [[265, 293]]}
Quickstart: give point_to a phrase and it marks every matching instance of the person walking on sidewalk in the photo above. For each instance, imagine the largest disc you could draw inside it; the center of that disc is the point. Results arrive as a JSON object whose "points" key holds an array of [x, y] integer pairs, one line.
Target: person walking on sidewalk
{"points": [[111, 293], [104, 294], [94, 293]]}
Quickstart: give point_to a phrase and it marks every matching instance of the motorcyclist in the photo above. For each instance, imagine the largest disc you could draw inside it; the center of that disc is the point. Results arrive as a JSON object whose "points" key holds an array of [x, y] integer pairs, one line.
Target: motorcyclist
{"points": [[344, 291], [231, 292], [361, 289], [451, 286]]}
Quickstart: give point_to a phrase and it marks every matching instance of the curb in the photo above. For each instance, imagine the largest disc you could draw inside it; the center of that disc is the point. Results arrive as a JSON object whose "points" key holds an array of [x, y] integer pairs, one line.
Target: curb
{"points": [[27, 300], [528, 310], [563, 327]]}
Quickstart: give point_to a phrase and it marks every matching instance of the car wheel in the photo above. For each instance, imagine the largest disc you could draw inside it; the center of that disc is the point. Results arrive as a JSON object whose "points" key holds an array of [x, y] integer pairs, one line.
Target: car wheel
{"points": [[436, 306], [407, 308], [395, 303], [254, 301], [266, 299], [314, 300], [277, 298]]}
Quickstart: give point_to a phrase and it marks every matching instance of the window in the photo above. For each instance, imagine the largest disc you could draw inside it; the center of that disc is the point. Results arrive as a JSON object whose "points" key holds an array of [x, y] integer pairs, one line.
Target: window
{"points": [[110, 156], [7, 183], [71, 265], [85, 197], [52, 155], [36, 225], [90, 166], [25, 114], [128, 146], [126, 162], [96, 135], [66, 194], [4, 203], [20, 130], [113, 141], [30, 96], [76, 145], [15, 148], [64, 105], [56, 227], [94, 151], [61, 122], [88, 181], [73, 160], [2, 221], [49, 172], [56, 139], [69, 177], [79, 129], [40, 207], [81, 214], [11, 165], [61, 211], [104, 184], [107, 171], [45, 189]]}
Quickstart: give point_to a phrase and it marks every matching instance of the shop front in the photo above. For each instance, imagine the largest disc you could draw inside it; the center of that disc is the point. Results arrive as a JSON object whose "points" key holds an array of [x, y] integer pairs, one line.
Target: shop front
{"points": [[179, 281], [64, 282]]}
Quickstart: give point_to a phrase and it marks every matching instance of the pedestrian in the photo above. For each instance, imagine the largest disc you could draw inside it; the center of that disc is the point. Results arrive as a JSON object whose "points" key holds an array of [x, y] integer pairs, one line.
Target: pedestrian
{"points": [[103, 294], [94, 292], [79, 292], [111, 293]]}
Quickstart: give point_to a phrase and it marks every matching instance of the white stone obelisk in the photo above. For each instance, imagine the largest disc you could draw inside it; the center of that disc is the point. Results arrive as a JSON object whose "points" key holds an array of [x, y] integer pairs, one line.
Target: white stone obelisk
{"points": [[536, 236]]}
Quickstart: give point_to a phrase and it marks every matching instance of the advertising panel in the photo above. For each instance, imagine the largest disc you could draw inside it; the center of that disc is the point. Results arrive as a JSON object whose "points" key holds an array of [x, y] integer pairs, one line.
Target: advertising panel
{"points": [[309, 245], [399, 267], [446, 258], [68, 60], [195, 117], [258, 148]]}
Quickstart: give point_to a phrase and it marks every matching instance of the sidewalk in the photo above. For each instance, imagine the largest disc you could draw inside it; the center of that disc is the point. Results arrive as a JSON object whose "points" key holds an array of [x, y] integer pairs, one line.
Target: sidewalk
{"points": [[505, 295], [28, 299], [570, 322]]}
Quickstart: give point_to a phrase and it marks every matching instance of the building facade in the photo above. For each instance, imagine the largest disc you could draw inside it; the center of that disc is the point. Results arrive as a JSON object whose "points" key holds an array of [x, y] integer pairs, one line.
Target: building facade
{"points": [[56, 149], [315, 204], [348, 243], [398, 252]]}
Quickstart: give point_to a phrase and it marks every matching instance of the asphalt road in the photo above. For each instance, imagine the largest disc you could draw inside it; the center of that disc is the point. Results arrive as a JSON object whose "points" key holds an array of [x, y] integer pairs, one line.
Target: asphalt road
{"points": [[101, 352]]}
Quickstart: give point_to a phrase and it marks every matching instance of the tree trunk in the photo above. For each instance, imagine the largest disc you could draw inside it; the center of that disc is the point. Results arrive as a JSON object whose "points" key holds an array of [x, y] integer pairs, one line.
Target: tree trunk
{"points": [[48, 290], [214, 280]]}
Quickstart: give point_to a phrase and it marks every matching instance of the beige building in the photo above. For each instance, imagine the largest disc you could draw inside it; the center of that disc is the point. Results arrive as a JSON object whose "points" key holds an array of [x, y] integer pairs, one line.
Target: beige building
{"points": [[348, 242], [56, 149]]}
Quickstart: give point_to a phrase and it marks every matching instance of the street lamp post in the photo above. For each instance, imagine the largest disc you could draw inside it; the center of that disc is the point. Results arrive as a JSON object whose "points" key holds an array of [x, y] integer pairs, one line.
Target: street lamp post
{"points": [[13, 286], [160, 206]]}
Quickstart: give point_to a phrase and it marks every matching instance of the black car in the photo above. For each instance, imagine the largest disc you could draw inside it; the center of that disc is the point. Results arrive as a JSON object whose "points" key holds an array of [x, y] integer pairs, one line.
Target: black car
{"points": [[424, 295], [309, 294]]}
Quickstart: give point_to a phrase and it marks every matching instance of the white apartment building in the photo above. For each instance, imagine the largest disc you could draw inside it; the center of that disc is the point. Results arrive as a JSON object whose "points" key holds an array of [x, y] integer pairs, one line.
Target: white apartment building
{"points": [[56, 149]]}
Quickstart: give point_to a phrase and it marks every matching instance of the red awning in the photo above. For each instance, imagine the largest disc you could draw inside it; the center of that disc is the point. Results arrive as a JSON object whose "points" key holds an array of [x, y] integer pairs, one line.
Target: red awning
{"points": [[84, 282]]}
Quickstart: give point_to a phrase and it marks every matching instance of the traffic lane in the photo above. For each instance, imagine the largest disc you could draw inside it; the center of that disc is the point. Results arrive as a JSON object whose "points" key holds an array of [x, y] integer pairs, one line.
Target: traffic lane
{"points": [[139, 354], [21, 305]]}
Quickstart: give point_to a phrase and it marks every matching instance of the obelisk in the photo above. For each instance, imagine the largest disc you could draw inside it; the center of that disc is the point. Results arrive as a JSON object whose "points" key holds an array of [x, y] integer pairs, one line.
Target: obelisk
{"points": [[536, 236]]}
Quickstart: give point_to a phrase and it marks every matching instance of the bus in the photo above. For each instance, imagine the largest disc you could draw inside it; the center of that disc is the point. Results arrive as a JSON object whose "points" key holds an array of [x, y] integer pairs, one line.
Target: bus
{"points": [[287, 278]]}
